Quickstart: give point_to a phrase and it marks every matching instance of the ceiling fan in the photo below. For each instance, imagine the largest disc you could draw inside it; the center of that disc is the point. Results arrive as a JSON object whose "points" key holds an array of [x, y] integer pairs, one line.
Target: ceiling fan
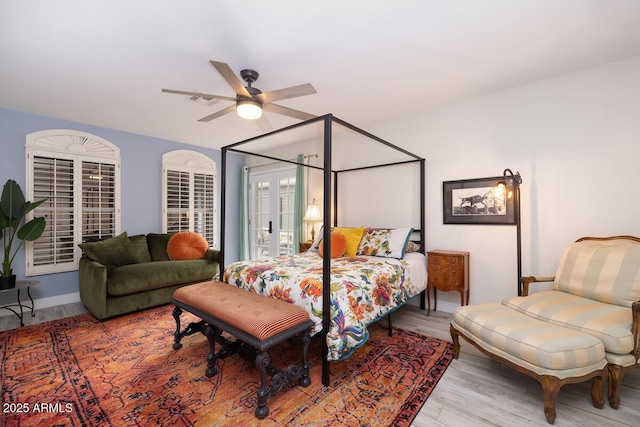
{"points": [[250, 101]]}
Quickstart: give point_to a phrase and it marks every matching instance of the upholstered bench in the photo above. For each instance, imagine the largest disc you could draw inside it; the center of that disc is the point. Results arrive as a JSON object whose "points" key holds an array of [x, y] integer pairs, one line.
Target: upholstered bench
{"points": [[551, 354], [256, 321]]}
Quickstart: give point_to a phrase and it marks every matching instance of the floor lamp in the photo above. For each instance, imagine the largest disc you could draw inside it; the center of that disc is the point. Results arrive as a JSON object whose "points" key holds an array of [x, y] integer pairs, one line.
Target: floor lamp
{"points": [[512, 183]]}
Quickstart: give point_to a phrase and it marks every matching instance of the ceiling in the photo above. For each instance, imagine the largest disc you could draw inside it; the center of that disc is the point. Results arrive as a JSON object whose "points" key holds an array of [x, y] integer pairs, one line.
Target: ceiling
{"points": [[104, 62]]}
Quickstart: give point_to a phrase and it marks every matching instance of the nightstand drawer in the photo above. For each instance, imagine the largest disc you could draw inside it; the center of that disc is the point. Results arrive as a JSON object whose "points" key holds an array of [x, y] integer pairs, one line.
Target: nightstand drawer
{"points": [[446, 272]]}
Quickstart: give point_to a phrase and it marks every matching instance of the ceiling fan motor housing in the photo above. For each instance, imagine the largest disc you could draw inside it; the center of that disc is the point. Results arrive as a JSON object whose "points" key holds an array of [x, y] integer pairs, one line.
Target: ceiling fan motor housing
{"points": [[253, 90], [249, 76]]}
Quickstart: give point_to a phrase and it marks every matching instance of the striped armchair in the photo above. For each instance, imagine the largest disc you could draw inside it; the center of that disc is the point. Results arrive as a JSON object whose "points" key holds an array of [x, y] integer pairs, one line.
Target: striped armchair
{"points": [[596, 290]]}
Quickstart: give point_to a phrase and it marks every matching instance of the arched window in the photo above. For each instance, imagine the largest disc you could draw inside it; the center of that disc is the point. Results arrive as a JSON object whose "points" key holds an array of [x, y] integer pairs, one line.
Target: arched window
{"points": [[79, 175], [189, 194]]}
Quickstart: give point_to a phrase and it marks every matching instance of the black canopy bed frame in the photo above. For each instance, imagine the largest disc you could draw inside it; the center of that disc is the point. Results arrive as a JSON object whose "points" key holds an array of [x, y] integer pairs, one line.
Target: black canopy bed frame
{"points": [[330, 191]]}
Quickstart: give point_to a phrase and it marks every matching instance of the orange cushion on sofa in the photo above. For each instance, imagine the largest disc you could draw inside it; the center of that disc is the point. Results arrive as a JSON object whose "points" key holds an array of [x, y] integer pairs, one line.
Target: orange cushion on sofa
{"points": [[338, 245], [187, 245]]}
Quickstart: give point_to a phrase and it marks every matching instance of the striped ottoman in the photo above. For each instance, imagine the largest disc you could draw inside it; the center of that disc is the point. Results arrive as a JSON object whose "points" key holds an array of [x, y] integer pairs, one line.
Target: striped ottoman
{"points": [[551, 354]]}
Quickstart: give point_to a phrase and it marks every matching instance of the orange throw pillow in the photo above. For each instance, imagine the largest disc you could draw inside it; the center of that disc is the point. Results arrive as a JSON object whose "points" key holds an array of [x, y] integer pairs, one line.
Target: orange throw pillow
{"points": [[187, 245], [338, 245]]}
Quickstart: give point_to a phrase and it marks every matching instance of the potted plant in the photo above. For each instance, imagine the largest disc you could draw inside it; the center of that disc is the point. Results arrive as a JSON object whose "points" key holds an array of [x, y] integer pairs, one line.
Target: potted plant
{"points": [[13, 209]]}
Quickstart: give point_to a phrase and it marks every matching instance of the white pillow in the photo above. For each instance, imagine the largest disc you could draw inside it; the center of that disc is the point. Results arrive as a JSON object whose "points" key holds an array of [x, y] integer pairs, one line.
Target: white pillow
{"points": [[384, 242]]}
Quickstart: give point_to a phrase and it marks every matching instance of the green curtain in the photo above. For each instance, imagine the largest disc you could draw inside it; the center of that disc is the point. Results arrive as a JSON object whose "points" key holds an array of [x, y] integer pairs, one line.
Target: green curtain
{"points": [[245, 233], [299, 205]]}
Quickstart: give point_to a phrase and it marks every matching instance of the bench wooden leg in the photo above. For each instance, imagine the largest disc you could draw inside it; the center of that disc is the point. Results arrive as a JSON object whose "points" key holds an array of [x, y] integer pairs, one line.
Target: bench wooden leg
{"points": [[456, 341], [213, 334], [596, 391], [616, 373], [550, 389], [192, 328], [280, 378], [177, 311], [263, 361], [305, 380]]}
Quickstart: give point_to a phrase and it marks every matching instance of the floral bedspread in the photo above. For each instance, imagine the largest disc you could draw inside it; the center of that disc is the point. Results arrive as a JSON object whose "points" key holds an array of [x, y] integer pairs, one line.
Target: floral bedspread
{"points": [[363, 288]]}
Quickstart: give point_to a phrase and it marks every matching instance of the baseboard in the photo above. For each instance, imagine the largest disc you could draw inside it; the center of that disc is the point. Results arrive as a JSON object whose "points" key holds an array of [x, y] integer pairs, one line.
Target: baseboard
{"points": [[48, 302], [444, 306], [39, 303]]}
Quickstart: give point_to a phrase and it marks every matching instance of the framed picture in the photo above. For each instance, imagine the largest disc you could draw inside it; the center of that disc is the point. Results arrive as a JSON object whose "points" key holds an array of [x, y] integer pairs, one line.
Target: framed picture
{"points": [[479, 201]]}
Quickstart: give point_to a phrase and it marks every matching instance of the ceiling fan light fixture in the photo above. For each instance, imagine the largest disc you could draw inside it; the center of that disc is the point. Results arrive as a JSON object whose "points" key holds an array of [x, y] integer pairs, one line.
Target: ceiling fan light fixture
{"points": [[249, 109]]}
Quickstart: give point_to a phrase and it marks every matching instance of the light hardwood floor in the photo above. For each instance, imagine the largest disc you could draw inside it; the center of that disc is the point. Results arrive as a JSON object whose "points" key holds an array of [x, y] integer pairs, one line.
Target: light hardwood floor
{"points": [[474, 391]]}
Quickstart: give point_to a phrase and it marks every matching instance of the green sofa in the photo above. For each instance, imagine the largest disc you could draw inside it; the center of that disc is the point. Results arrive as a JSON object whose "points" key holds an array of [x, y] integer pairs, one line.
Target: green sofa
{"points": [[129, 273]]}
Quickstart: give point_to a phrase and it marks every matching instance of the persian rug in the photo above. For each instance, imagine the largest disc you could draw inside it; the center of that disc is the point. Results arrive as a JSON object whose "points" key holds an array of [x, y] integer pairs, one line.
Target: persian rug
{"points": [[124, 372]]}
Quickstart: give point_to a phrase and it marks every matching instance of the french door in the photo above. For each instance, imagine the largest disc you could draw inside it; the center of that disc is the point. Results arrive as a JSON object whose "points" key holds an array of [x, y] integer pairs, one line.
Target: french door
{"points": [[271, 205]]}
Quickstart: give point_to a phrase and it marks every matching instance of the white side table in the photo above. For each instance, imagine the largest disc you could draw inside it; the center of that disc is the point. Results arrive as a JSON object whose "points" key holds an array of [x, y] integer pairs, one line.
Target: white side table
{"points": [[21, 284]]}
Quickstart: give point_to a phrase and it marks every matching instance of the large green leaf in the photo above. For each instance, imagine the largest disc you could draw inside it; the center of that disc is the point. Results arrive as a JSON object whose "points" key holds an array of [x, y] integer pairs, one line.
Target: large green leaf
{"points": [[32, 230], [4, 221], [29, 206], [13, 209], [12, 200]]}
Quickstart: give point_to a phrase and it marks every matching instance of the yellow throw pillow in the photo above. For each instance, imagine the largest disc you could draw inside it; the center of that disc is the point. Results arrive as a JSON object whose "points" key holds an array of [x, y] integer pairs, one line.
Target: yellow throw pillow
{"points": [[353, 237]]}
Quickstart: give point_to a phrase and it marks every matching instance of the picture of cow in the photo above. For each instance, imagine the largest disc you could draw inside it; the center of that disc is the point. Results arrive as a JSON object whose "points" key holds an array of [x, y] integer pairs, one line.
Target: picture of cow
{"points": [[477, 201]]}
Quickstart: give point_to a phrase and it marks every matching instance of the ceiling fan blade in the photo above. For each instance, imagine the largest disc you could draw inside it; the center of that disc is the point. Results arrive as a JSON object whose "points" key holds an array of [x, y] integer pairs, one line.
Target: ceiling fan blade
{"points": [[227, 73], [205, 96], [286, 111], [229, 109], [265, 124], [286, 93]]}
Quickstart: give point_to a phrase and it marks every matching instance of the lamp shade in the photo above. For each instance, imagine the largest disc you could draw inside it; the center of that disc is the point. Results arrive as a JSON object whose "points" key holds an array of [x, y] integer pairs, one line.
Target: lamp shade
{"points": [[313, 213], [249, 109]]}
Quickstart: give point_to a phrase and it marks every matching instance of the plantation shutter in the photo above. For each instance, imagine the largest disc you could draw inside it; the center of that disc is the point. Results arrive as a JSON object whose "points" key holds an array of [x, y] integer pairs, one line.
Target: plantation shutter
{"points": [[53, 180], [98, 201], [178, 193], [78, 174], [189, 194], [204, 205]]}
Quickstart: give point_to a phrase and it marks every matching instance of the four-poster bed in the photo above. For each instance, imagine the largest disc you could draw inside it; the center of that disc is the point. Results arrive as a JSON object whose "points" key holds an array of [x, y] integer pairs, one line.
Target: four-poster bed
{"points": [[406, 288]]}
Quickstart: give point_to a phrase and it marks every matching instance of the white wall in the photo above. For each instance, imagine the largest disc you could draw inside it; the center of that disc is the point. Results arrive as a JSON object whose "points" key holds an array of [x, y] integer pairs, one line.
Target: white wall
{"points": [[575, 140], [366, 198]]}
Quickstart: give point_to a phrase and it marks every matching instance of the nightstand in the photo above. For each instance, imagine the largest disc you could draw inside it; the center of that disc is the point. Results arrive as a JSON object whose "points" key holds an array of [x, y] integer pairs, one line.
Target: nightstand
{"points": [[304, 246], [448, 271]]}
